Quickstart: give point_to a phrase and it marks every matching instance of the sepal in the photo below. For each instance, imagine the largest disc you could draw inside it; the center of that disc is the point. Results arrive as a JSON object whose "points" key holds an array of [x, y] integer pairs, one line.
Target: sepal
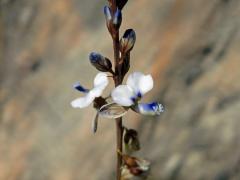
{"points": [[112, 110]]}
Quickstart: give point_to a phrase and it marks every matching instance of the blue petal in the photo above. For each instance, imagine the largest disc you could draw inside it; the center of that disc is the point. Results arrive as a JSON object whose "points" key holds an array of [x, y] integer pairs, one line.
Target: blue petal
{"points": [[153, 108], [117, 18], [80, 88], [107, 13]]}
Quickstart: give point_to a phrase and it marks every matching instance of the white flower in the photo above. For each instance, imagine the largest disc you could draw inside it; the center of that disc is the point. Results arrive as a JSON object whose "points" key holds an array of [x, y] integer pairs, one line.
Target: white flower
{"points": [[100, 83], [137, 85]]}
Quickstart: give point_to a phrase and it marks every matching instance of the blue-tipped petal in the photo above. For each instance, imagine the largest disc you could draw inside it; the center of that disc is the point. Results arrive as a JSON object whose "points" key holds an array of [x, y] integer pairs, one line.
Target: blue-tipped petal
{"points": [[117, 20], [107, 13], [95, 57], [128, 40], [80, 88], [153, 108]]}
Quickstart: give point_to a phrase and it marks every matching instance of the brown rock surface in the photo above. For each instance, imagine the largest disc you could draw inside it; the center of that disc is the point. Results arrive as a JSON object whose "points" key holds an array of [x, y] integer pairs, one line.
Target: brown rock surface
{"points": [[190, 46]]}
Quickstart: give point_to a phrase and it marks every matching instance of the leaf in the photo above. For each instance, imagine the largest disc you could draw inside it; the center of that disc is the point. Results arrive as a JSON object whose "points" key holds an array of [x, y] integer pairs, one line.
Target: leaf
{"points": [[112, 110]]}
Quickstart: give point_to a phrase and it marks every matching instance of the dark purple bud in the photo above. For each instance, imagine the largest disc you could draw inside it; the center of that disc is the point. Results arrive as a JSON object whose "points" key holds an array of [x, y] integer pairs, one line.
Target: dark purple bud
{"points": [[117, 19], [121, 3], [100, 63], [127, 41]]}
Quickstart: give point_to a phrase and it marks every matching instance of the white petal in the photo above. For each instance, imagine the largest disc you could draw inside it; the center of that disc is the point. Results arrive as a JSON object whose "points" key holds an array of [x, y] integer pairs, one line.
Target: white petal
{"points": [[140, 82], [100, 83], [101, 80], [83, 101], [145, 84], [123, 95]]}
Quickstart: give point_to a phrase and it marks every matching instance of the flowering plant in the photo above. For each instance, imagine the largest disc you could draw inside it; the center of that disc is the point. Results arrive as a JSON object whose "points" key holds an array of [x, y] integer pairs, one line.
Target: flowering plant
{"points": [[122, 97]]}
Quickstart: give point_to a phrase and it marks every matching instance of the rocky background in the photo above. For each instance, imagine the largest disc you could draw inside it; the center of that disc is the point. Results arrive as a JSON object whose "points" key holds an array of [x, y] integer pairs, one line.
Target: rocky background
{"points": [[192, 49]]}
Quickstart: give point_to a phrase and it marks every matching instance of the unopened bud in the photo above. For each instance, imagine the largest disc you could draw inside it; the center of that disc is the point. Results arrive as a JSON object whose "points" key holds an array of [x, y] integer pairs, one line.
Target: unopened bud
{"points": [[108, 17], [127, 41], [131, 142], [117, 19], [100, 63], [121, 3], [107, 13]]}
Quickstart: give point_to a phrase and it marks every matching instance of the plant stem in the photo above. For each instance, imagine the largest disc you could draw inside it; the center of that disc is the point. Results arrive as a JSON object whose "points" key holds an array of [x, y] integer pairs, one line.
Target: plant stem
{"points": [[117, 81]]}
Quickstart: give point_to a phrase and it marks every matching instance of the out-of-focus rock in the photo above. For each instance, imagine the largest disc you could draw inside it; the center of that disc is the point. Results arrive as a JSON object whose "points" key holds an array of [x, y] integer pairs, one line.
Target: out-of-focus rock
{"points": [[192, 49]]}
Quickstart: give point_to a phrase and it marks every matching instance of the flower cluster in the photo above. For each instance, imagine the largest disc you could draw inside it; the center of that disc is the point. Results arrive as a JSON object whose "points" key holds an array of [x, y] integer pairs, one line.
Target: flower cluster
{"points": [[123, 97]]}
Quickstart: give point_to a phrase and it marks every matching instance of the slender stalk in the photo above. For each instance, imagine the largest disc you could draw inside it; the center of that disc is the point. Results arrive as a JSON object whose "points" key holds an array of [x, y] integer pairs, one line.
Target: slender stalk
{"points": [[119, 129], [117, 81]]}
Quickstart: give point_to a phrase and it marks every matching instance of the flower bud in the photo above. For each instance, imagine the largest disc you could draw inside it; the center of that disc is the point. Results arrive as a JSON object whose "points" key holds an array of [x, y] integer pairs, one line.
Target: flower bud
{"points": [[107, 13], [127, 41], [149, 109], [117, 19], [100, 63], [130, 139], [108, 17], [121, 3]]}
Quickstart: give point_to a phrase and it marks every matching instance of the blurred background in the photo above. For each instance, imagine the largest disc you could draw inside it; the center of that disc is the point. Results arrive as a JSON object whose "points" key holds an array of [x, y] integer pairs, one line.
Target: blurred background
{"points": [[192, 49]]}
